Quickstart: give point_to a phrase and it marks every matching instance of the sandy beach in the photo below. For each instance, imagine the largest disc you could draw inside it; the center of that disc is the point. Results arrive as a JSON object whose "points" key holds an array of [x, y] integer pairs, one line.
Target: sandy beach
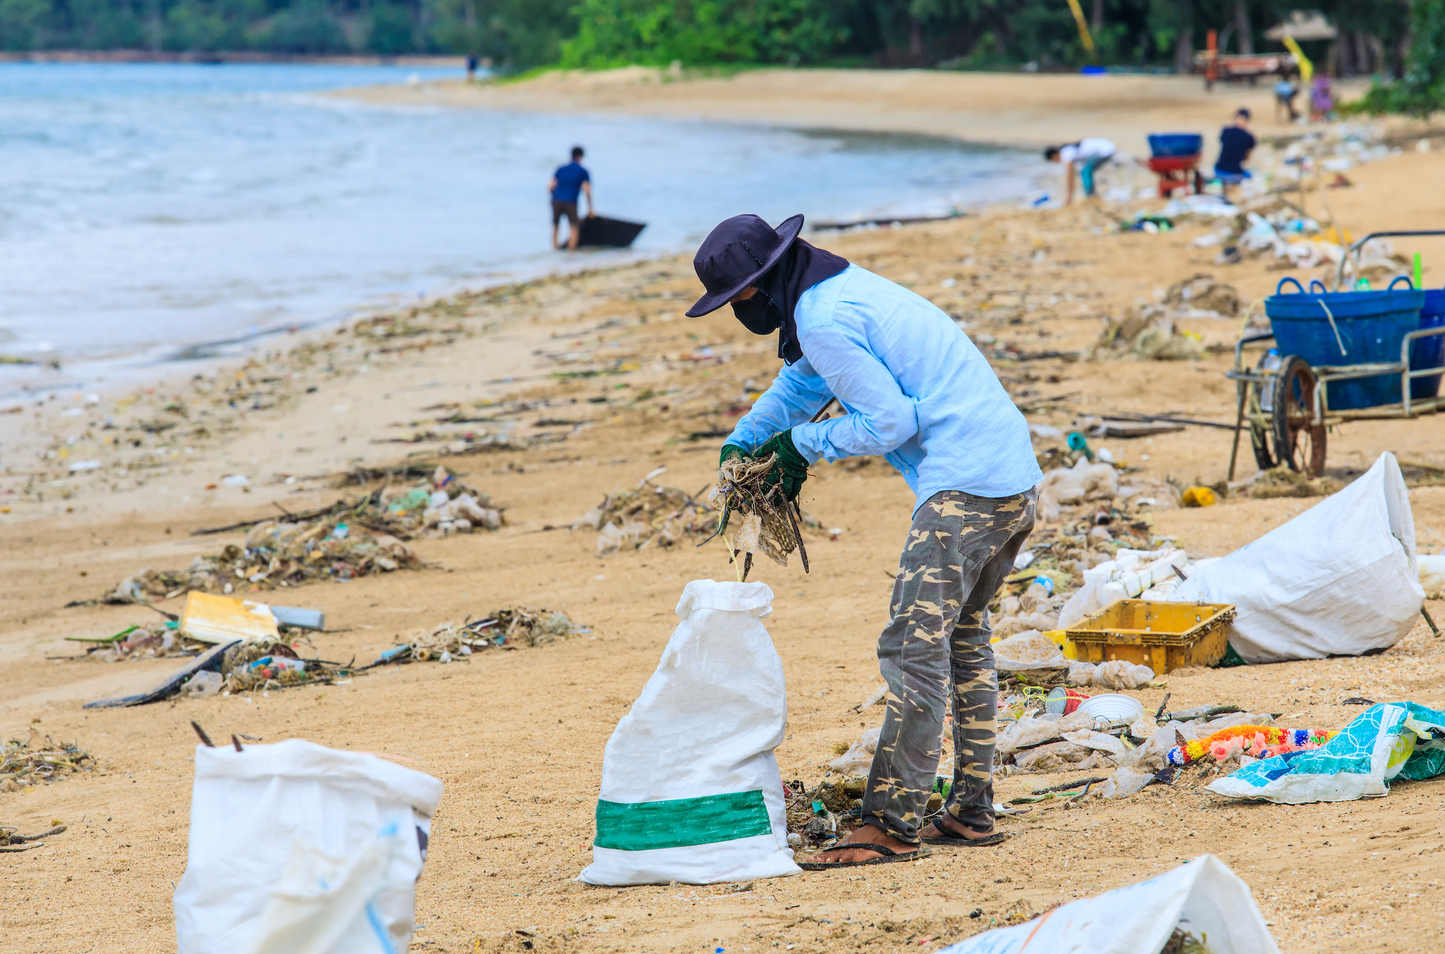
{"points": [[1002, 108], [551, 394]]}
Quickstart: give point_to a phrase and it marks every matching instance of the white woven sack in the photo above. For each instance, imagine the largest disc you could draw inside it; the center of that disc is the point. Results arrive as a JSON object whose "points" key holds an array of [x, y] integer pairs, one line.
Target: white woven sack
{"points": [[1339, 579], [1203, 897], [299, 848], [690, 787]]}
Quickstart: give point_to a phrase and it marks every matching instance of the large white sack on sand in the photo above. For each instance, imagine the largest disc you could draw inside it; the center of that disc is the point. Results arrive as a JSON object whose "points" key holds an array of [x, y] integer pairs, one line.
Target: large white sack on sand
{"points": [[690, 787], [299, 848], [1203, 897], [1339, 579]]}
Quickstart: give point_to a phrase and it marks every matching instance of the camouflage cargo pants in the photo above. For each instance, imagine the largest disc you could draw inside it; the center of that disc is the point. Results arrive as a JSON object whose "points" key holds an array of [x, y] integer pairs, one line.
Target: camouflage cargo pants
{"points": [[960, 549]]}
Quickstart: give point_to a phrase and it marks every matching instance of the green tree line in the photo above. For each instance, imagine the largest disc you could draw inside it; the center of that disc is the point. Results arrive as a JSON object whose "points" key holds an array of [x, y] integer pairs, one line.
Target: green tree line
{"points": [[1375, 35]]}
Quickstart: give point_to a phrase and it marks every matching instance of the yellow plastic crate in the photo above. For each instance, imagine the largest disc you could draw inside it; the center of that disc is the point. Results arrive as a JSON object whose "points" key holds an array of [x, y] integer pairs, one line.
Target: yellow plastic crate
{"points": [[1162, 636]]}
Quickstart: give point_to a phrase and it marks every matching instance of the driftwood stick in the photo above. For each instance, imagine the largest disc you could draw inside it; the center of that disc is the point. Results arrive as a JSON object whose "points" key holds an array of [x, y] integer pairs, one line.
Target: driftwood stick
{"points": [[205, 739]]}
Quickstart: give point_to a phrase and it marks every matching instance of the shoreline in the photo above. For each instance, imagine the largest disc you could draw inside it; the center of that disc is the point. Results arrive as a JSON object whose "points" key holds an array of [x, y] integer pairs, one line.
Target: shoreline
{"points": [[547, 395], [1008, 110], [222, 58]]}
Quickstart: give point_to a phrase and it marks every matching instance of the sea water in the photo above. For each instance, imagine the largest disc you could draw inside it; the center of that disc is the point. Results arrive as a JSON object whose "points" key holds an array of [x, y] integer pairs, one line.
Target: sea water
{"points": [[146, 210]]}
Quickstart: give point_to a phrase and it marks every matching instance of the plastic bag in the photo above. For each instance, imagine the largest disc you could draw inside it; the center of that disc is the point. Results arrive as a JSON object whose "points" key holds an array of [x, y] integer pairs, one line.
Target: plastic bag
{"points": [[1119, 674], [360, 818], [1115, 674], [1052, 757], [1124, 782], [1028, 650], [1125, 577], [1006, 626], [1202, 898], [859, 757], [1032, 730], [1084, 481], [1101, 741], [690, 787], [1339, 579]]}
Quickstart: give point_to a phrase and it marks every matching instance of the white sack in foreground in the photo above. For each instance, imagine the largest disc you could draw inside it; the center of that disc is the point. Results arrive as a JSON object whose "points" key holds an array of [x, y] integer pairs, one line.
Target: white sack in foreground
{"points": [[1339, 579], [1203, 898], [301, 849], [690, 788]]}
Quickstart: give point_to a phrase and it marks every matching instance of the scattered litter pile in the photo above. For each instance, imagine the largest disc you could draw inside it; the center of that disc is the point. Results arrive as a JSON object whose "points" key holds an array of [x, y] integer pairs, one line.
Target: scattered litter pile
{"points": [[24, 762], [234, 645], [141, 641], [770, 523], [1147, 332], [509, 628], [438, 507], [1200, 296], [647, 515], [1283, 482], [264, 664], [277, 554]]}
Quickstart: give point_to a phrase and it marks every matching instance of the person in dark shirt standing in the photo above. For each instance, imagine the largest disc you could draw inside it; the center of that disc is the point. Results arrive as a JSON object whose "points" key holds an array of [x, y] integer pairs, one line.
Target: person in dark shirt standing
{"points": [[567, 183], [1236, 142]]}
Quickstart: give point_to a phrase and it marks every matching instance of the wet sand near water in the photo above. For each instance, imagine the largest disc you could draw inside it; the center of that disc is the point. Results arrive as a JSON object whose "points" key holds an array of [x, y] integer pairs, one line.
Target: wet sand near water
{"points": [[517, 737]]}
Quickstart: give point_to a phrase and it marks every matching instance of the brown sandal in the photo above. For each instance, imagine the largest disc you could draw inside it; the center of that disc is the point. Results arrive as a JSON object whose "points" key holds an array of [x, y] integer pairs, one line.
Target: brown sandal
{"points": [[889, 856], [949, 840]]}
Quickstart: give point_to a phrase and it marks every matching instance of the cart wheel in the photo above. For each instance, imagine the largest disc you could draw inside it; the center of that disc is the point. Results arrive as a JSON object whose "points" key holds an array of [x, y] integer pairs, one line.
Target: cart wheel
{"points": [[1258, 405], [1297, 441]]}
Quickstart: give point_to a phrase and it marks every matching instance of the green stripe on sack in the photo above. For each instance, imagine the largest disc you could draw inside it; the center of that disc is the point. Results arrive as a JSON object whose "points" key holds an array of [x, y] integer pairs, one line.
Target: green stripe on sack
{"points": [[681, 822]]}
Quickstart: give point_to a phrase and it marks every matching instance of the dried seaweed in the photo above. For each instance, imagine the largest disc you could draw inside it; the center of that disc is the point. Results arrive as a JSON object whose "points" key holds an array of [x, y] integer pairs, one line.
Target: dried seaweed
{"points": [[507, 628], [770, 523], [649, 515], [30, 760]]}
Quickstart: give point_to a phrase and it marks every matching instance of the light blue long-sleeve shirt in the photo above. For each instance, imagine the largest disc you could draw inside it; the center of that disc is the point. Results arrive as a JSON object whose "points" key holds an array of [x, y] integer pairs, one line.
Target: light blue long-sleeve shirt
{"points": [[916, 389]]}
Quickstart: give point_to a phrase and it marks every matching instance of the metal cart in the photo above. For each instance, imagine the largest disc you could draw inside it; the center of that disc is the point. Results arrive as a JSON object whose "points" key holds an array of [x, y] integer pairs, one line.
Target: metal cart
{"points": [[1285, 402]]}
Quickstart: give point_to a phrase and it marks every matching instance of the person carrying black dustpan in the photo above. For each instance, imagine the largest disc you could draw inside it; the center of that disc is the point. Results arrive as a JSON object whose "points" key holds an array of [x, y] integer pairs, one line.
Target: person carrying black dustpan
{"points": [[917, 392]]}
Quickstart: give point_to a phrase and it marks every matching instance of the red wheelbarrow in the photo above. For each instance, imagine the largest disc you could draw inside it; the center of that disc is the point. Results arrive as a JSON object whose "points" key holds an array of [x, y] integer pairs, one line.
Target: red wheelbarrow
{"points": [[1175, 160]]}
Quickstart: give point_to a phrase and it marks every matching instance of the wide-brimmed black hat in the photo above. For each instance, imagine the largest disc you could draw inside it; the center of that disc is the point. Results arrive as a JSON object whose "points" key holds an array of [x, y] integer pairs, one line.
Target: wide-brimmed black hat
{"points": [[735, 254]]}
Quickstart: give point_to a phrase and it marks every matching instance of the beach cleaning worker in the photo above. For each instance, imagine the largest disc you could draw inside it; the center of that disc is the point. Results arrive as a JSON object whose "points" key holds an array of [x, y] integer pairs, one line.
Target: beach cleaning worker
{"points": [[1236, 142], [1083, 157], [568, 182], [917, 392]]}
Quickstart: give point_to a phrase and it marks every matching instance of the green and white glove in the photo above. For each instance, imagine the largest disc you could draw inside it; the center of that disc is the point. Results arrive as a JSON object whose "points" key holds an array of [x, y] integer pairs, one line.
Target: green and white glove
{"points": [[730, 451], [790, 469]]}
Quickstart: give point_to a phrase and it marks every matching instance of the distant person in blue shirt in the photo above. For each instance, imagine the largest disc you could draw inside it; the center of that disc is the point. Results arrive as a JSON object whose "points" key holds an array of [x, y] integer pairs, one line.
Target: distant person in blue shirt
{"points": [[1235, 144], [567, 183], [916, 391]]}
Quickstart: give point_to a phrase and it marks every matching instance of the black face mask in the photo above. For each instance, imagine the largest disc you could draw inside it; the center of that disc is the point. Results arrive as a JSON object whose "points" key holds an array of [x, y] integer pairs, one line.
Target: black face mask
{"points": [[758, 314]]}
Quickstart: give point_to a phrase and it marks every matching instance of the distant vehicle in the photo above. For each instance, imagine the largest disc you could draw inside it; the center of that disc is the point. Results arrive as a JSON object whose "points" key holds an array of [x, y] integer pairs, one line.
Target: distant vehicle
{"points": [[1248, 67]]}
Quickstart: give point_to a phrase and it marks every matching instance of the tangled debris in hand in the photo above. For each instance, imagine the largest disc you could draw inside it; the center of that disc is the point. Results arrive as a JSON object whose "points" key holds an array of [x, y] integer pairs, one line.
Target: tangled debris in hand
{"points": [[27, 761], [770, 522], [509, 628]]}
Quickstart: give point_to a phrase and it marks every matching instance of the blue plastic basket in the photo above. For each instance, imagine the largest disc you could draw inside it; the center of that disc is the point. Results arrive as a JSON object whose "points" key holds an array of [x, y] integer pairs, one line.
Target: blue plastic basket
{"points": [[1369, 324], [1428, 352], [1170, 145]]}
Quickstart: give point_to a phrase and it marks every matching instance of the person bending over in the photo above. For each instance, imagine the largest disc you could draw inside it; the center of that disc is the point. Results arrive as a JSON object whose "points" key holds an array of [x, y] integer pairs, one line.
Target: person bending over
{"points": [[919, 393], [1084, 157]]}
